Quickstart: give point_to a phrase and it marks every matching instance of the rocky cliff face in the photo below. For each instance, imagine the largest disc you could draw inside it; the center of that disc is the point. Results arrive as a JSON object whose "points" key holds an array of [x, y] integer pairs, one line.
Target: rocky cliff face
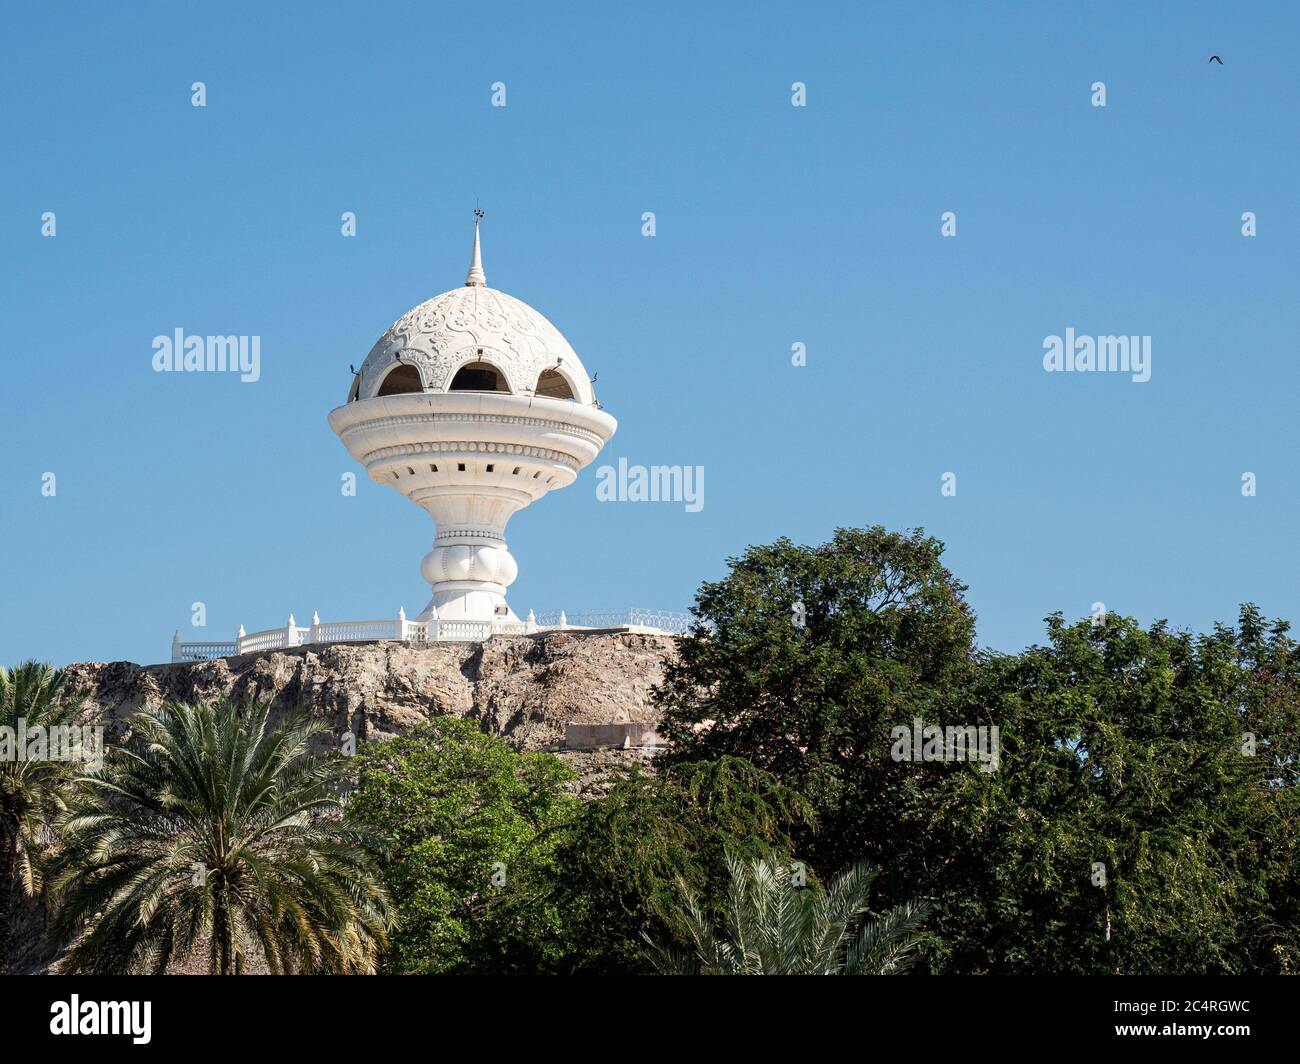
{"points": [[524, 688]]}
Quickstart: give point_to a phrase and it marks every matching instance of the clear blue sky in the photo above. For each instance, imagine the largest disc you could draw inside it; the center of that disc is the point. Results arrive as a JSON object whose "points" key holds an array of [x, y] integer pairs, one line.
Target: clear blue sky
{"points": [[775, 225]]}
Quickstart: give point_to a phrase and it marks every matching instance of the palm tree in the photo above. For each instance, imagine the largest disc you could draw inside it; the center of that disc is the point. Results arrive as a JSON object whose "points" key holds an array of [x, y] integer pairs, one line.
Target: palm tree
{"points": [[776, 927], [31, 791], [209, 829]]}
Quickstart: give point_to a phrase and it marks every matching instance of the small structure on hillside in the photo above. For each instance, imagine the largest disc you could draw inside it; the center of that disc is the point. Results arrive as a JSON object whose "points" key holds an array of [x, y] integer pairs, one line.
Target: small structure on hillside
{"points": [[622, 735]]}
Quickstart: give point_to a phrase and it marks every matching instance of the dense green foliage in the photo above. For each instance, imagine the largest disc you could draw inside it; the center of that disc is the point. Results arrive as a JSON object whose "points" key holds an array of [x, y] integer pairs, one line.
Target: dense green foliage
{"points": [[886, 636], [1125, 746], [32, 792], [497, 868], [623, 862], [778, 924], [471, 828], [211, 828], [1121, 747]]}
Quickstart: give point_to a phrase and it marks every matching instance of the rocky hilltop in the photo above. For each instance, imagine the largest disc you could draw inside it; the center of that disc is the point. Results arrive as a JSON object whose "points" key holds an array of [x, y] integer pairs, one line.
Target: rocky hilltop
{"points": [[525, 688]]}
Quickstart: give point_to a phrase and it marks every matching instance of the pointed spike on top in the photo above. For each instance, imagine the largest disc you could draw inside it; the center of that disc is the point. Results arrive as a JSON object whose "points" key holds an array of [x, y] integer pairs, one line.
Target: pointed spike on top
{"points": [[242, 633], [292, 622], [176, 636], [401, 613], [476, 276], [315, 617], [532, 617]]}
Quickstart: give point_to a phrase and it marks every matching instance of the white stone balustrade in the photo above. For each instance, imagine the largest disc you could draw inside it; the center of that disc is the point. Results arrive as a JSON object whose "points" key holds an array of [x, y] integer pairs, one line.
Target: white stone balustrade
{"points": [[401, 630]]}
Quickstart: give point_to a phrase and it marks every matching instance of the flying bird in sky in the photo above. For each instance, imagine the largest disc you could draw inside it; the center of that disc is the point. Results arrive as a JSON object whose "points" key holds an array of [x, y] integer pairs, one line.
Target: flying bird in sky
{"points": [[1216, 59]]}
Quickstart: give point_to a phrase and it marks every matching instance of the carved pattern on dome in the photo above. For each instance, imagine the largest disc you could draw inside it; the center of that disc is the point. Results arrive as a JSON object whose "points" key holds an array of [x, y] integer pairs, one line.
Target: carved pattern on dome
{"points": [[445, 333]]}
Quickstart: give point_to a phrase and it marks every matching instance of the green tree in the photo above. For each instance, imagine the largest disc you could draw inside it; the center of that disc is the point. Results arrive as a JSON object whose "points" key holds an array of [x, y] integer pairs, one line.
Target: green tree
{"points": [[212, 827], [804, 657], [622, 859], [32, 792], [1127, 830], [469, 824], [777, 925]]}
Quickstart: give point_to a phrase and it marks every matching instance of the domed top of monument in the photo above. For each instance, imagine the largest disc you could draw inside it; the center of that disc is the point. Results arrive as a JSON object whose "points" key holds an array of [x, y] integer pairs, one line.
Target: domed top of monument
{"points": [[476, 339]]}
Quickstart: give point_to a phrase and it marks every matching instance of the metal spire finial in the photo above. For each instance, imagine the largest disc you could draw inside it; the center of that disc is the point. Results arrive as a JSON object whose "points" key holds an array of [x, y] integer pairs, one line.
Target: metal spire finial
{"points": [[476, 274]]}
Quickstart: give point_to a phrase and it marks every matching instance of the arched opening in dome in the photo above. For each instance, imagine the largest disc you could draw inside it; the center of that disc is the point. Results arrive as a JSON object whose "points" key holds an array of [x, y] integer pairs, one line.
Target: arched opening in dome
{"points": [[553, 385], [478, 377], [400, 380]]}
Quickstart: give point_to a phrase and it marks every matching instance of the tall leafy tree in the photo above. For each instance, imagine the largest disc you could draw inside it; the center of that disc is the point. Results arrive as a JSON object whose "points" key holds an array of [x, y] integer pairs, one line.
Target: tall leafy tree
{"points": [[32, 791], [804, 657], [470, 826], [211, 827], [1146, 815]]}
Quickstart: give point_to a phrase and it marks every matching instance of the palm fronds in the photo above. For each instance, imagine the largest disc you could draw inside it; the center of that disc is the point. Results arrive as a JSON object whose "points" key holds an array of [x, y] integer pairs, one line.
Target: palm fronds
{"points": [[209, 829], [32, 790], [775, 926]]}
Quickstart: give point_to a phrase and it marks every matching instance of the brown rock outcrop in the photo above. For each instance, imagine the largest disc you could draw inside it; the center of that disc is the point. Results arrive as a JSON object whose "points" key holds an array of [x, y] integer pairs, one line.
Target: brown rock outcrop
{"points": [[525, 688]]}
